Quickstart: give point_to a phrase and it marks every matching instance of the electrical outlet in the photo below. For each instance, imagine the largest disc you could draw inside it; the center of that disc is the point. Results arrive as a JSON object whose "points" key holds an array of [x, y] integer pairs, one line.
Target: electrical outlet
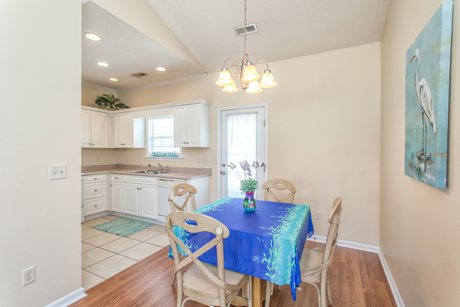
{"points": [[28, 275], [317, 215]]}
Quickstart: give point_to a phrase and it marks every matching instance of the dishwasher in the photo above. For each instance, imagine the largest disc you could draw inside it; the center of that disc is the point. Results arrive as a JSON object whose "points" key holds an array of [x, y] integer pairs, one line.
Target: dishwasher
{"points": [[163, 188]]}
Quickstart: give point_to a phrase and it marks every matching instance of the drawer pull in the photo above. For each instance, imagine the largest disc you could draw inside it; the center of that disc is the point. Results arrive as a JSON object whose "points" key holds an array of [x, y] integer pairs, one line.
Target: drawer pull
{"points": [[95, 190]]}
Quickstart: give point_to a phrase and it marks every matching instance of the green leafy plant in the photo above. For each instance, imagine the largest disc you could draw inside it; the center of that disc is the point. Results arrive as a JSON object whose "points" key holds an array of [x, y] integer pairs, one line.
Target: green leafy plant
{"points": [[249, 185], [110, 102], [246, 174]]}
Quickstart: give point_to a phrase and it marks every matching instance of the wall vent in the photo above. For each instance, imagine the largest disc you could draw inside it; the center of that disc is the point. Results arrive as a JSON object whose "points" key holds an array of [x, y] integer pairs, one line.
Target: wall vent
{"points": [[139, 75], [252, 28]]}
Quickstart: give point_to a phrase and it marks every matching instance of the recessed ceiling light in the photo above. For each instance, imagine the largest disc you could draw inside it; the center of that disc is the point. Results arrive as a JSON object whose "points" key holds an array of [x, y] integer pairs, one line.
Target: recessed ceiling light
{"points": [[92, 36], [159, 68], [103, 64], [113, 79]]}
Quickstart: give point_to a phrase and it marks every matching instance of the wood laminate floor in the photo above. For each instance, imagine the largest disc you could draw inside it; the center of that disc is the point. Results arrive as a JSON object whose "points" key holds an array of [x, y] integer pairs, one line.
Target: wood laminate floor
{"points": [[357, 279]]}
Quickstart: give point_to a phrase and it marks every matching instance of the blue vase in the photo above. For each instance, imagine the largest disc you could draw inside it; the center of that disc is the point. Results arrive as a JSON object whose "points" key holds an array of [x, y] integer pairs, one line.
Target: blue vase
{"points": [[249, 203]]}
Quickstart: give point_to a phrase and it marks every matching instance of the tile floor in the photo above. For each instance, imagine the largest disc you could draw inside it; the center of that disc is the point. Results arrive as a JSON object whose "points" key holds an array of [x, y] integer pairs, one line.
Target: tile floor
{"points": [[105, 254]]}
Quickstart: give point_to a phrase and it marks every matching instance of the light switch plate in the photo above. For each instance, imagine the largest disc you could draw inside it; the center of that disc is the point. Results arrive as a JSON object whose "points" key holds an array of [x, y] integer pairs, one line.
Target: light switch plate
{"points": [[57, 171]]}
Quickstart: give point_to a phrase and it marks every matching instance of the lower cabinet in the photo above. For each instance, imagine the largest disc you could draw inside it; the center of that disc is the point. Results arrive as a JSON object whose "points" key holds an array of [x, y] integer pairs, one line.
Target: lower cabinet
{"points": [[117, 197], [132, 199], [94, 194], [95, 205], [148, 196], [134, 195]]}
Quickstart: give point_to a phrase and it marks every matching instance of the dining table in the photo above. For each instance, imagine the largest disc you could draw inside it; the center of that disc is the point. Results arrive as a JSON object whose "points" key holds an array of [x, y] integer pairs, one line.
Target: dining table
{"points": [[265, 244]]}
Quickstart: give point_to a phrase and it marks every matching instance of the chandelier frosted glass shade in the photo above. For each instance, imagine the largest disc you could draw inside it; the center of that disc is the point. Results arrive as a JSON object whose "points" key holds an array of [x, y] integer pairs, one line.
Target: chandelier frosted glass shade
{"points": [[250, 73], [267, 80], [225, 78], [231, 88], [254, 88]]}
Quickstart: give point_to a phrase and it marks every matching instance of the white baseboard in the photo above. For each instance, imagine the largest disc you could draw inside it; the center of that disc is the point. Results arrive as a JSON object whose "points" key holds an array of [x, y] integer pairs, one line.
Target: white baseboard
{"points": [[348, 244], [68, 299], [391, 281], [373, 249]]}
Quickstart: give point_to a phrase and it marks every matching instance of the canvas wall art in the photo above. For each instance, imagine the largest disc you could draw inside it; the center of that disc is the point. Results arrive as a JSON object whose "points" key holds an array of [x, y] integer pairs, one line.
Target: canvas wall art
{"points": [[427, 100]]}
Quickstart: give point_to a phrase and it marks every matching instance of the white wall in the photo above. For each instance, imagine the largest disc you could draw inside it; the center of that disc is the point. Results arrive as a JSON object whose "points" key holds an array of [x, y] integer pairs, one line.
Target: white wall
{"points": [[324, 131], [39, 119], [420, 230]]}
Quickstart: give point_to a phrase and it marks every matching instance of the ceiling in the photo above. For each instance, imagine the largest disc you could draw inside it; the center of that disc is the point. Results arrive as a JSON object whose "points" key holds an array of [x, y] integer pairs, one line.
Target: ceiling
{"points": [[288, 28], [127, 51]]}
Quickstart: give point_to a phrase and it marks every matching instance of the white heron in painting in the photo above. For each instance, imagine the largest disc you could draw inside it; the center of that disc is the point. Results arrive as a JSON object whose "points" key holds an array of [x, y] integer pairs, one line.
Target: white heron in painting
{"points": [[425, 100]]}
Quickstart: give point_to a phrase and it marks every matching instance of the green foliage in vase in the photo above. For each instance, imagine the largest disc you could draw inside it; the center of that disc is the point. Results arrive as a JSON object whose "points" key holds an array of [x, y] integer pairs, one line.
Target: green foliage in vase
{"points": [[110, 102], [249, 185], [246, 175]]}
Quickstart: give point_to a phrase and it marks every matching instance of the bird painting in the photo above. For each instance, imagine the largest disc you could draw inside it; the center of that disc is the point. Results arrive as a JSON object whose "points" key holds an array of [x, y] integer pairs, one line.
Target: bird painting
{"points": [[428, 62], [425, 101]]}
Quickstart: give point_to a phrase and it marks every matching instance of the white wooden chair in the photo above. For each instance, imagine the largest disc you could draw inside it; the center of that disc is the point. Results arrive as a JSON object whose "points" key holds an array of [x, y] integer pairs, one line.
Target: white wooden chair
{"points": [[279, 190], [314, 263], [198, 281], [185, 190]]}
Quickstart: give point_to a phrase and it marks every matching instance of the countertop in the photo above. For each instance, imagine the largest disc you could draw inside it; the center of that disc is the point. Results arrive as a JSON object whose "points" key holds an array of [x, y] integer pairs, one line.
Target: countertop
{"points": [[184, 173]]}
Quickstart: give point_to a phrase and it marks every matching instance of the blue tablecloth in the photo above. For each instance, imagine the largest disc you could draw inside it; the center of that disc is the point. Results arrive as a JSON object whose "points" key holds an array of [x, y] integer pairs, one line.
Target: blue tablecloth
{"points": [[266, 244]]}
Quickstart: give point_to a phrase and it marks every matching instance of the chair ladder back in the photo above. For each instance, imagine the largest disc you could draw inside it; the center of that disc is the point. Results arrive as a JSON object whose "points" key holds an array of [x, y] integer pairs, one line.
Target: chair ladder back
{"points": [[333, 232], [203, 224], [180, 190], [279, 185]]}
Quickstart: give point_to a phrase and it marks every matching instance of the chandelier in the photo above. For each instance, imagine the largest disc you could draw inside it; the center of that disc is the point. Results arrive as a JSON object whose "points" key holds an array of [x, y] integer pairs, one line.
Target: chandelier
{"points": [[249, 78]]}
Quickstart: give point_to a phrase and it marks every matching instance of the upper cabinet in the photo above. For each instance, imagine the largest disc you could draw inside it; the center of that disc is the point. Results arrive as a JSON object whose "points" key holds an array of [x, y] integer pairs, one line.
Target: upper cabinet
{"points": [[95, 129], [129, 131], [191, 125], [126, 128]]}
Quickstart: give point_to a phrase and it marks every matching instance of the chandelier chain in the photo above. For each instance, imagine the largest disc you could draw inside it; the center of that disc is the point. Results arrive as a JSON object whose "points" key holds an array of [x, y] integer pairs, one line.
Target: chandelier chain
{"points": [[245, 25]]}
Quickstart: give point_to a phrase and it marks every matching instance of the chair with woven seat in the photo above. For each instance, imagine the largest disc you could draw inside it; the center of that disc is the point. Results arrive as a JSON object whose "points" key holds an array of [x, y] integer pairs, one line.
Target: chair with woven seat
{"points": [[314, 263], [182, 190], [195, 280], [279, 190]]}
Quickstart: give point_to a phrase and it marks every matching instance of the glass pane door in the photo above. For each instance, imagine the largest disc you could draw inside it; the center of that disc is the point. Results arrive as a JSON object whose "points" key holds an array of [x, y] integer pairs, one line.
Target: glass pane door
{"points": [[243, 138]]}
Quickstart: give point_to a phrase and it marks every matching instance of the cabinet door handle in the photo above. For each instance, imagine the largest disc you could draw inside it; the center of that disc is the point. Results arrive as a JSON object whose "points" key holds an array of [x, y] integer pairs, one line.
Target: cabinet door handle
{"points": [[95, 190]]}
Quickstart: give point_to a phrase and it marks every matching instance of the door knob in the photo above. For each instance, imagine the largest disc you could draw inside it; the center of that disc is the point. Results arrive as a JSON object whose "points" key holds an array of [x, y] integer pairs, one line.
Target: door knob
{"points": [[223, 173]]}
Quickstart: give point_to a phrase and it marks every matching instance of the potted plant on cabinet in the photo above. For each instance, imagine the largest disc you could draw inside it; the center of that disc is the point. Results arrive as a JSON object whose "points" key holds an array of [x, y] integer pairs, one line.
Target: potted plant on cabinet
{"points": [[110, 102]]}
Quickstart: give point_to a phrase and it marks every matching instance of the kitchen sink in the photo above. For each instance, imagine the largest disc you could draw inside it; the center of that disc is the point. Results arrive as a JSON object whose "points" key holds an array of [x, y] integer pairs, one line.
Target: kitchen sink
{"points": [[152, 172]]}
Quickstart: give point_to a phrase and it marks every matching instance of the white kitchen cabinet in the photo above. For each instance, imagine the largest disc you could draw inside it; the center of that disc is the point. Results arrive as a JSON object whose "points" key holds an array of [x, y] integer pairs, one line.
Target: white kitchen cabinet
{"points": [[148, 195], [95, 129], [132, 198], [117, 197], [191, 125], [134, 195], [95, 205], [94, 192], [129, 131]]}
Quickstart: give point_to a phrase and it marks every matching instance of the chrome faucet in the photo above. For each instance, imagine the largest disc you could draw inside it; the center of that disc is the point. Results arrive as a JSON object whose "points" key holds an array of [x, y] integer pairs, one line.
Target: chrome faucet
{"points": [[161, 168]]}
